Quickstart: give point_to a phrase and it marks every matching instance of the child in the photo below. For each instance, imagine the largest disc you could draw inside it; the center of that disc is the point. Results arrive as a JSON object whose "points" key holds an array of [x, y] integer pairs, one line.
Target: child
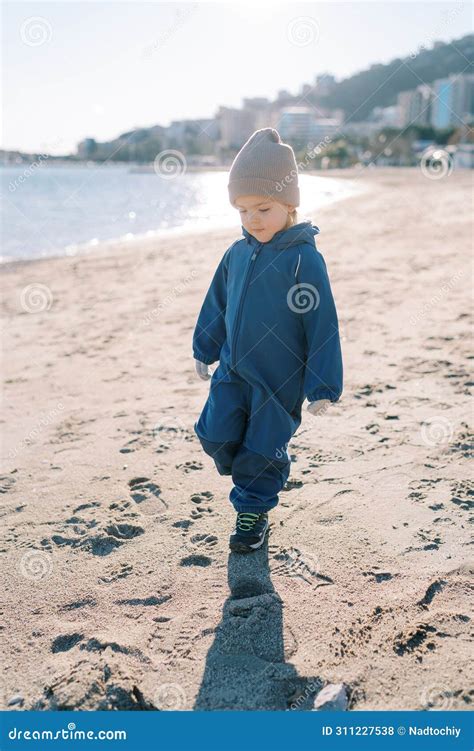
{"points": [[269, 318]]}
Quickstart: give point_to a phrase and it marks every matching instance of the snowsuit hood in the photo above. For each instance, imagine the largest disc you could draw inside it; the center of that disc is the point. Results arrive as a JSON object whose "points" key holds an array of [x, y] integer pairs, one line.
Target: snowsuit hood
{"points": [[295, 235]]}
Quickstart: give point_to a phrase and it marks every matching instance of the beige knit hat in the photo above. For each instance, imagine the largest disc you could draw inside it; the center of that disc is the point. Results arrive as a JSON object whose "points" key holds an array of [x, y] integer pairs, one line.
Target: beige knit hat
{"points": [[265, 166]]}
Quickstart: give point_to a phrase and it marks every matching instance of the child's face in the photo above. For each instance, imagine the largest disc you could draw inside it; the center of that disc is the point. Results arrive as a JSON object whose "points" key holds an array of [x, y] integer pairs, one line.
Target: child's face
{"points": [[262, 216]]}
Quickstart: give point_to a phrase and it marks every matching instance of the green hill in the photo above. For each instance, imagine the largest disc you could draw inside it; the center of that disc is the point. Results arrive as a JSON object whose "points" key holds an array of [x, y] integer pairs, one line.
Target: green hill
{"points": [[380, 84]]}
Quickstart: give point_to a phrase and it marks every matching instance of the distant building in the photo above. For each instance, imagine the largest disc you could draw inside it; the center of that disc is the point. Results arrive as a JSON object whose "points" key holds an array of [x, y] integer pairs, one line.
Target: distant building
{"points": [[324, 83], [361, 129], [386, 116], [202, 132], [284, 98], [421, 145], [263, 112], [446, 102], [236, 127], [415, 107], [453, 102], [256, 103], [301, 124], [86, 148], [326, 126], [463, 157], [306, 89]]}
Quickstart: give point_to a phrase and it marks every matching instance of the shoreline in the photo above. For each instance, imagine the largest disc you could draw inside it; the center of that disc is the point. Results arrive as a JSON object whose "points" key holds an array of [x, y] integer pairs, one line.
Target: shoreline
{"points": [[159, 235]]}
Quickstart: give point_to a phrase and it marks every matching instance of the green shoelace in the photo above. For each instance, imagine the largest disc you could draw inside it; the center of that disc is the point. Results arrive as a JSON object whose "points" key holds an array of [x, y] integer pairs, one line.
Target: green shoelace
{"points": [[246, 520]]}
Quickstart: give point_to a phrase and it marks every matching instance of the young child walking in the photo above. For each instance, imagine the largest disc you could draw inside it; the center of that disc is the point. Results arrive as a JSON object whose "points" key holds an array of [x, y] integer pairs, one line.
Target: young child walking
{"points": [[270, 320]]}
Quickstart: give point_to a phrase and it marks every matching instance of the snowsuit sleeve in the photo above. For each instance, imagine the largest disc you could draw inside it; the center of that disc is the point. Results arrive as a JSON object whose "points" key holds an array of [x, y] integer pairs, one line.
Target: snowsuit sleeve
{"points": [[323, 370], [210, 332]]}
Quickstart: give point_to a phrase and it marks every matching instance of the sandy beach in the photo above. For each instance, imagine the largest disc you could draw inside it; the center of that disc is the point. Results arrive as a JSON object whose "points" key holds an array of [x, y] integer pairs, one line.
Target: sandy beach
{"points": [[120, 591]]}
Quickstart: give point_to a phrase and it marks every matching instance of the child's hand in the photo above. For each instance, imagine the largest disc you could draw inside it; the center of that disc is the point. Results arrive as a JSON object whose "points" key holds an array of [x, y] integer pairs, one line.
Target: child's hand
{"points": [[319, 406], [202, 370]]}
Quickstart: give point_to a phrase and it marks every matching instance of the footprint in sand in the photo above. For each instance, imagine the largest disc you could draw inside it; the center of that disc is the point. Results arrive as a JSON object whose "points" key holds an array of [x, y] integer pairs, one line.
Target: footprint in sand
{"points": [[86, 602], [200, 511], [416, 640], [360, 636], [320, 458], [103, 543], [463, 495], [6, 483], [173, 431], [71, 429], [463, 443], [292, 483], [189, 466], [86, 685], [379, 576], [196, 560], [11, 509], [147, 496], [65, 642], [149, 602], [200, 499], [429, 539], [124, 531], [292, 562], [183, 524], [141, 440], [170, 431], [190, 632], [421, 488], [117, 572], [95, 535], [431, 591], [203, 541], [83, 506]]}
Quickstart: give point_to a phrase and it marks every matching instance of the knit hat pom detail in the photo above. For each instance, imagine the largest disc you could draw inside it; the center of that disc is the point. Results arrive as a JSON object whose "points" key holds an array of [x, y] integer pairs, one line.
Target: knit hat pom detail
{"points": [[270, 133]]}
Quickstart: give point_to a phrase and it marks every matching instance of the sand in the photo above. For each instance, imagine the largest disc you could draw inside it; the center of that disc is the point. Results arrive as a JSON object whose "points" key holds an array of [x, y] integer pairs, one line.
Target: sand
{"points": [[120, 591]]}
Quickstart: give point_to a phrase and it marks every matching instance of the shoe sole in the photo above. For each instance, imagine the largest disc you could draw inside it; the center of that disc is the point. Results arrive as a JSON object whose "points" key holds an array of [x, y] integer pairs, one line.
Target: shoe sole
{"points": [[241, 547]]}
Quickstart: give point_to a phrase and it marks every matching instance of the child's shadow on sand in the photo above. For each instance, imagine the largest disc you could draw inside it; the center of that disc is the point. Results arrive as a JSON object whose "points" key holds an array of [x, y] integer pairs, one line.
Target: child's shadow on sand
{"points": [[245, 666]]}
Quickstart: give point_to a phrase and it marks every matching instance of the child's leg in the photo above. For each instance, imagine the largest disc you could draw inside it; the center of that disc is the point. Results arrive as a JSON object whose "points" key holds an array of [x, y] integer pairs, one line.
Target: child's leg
{"points": [[261, 465], [257, 481], [223, 420], [223, 453]]}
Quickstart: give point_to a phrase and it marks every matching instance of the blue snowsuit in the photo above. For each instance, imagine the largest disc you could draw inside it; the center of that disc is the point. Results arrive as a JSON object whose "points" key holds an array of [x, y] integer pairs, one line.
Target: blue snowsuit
{"points": [[269, 318]]}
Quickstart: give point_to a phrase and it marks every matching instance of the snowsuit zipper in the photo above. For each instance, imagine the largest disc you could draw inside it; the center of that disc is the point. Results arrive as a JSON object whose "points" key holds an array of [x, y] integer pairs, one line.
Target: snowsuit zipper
{"points": [[239, 311]]}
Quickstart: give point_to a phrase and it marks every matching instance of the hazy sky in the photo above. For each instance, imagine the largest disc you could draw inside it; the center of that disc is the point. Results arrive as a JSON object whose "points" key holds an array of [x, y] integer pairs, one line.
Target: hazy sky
{"points": [[96, 69]]}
